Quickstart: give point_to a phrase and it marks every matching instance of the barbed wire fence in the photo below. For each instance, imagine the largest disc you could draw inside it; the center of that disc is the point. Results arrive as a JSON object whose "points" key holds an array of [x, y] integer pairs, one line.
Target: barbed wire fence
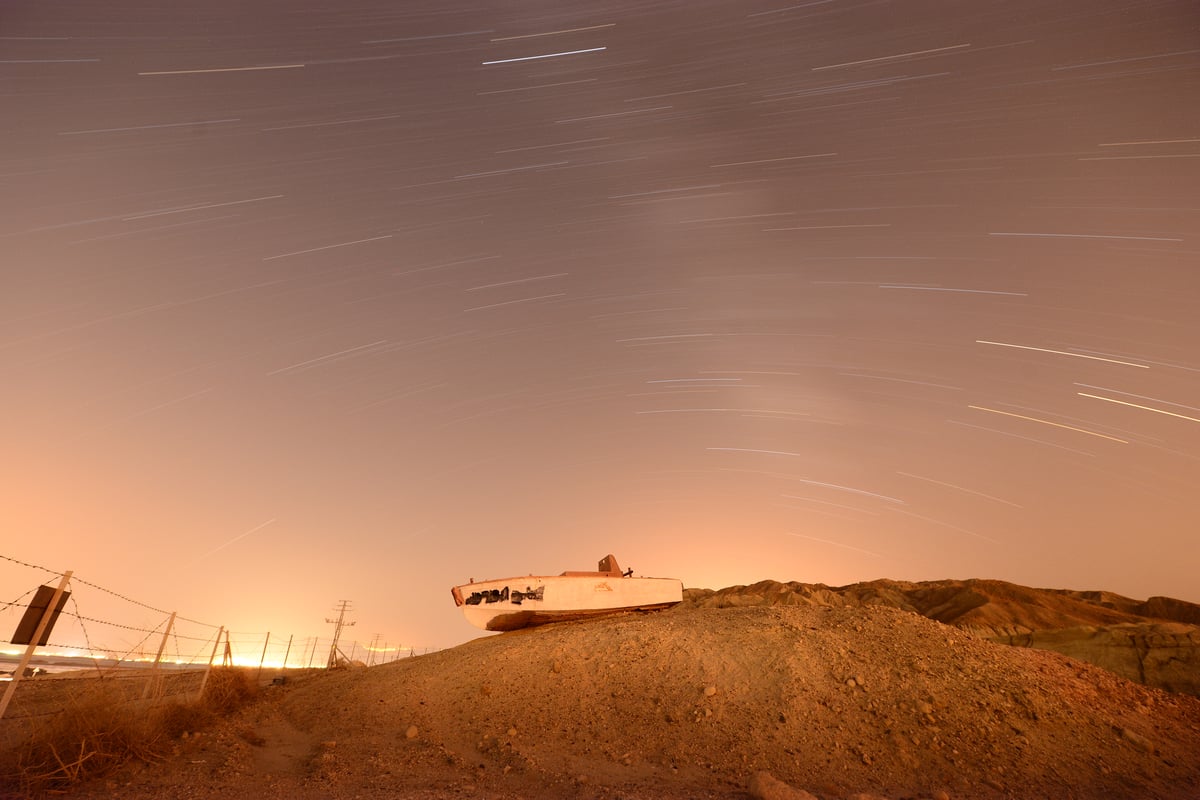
{"points": [[150, 656]]}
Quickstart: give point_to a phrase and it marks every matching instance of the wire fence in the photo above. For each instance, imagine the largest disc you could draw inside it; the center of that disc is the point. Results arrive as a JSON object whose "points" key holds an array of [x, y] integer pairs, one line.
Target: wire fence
{"points": [[140, 652]]}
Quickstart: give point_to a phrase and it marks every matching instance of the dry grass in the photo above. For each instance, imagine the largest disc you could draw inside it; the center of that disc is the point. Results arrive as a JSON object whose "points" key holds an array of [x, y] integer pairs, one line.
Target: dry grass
{"points": [[228, 689], [99, 728]]}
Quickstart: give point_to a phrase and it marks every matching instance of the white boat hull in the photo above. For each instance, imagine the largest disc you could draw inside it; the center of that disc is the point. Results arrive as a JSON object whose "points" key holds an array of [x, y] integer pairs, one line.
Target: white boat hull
{"points": [[508, 604]]}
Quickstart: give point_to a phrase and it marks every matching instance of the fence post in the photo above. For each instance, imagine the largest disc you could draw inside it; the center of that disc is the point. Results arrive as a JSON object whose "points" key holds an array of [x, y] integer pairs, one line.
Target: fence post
{"points": [[19, 672], [154, 676], [288, 651], [204, 680], [261, 661]]}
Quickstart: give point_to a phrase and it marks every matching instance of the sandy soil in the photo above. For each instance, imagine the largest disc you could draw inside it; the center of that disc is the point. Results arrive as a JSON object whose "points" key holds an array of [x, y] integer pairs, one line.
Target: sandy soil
{"points": [[693, 703]]}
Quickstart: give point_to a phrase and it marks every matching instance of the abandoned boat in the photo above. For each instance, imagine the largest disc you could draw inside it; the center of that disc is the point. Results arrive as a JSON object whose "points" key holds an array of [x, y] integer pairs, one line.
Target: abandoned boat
{"points": [[507, 604]]}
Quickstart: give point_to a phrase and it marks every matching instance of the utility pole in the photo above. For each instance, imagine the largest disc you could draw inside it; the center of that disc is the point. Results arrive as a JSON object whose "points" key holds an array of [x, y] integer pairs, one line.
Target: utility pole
{"points": [[338, 623]]}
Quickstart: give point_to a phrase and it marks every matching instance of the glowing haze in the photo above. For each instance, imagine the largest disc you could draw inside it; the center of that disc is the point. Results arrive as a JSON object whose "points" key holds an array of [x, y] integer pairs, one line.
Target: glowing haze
{"points": [[304, 302]]}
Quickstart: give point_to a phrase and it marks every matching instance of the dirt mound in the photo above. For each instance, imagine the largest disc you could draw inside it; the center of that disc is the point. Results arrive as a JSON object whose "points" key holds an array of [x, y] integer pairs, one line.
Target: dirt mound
{"points": [[982, 603], [696, 702], [1155, 642]]}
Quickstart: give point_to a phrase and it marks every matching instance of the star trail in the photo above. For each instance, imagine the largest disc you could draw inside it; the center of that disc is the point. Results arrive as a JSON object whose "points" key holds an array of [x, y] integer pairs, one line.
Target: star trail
{"points": [[826, 292]]}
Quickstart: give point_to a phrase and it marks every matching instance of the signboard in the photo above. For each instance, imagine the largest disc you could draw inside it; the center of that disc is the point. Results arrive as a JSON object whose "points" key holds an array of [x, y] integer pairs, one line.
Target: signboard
{"points": [[33, 615]]}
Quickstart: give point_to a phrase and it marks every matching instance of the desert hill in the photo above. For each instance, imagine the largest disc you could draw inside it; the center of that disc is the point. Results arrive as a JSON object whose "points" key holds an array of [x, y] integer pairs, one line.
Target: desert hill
{"points": [[1155, 642], [699, 702]]}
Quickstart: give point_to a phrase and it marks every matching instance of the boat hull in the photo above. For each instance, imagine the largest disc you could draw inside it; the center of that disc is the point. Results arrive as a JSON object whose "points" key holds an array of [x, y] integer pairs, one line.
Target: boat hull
{"points": [[509, 604]]}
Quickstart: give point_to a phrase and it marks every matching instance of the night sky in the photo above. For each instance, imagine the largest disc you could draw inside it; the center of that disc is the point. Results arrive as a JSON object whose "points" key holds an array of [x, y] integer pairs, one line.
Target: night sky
{"points": [[304, 301]]}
